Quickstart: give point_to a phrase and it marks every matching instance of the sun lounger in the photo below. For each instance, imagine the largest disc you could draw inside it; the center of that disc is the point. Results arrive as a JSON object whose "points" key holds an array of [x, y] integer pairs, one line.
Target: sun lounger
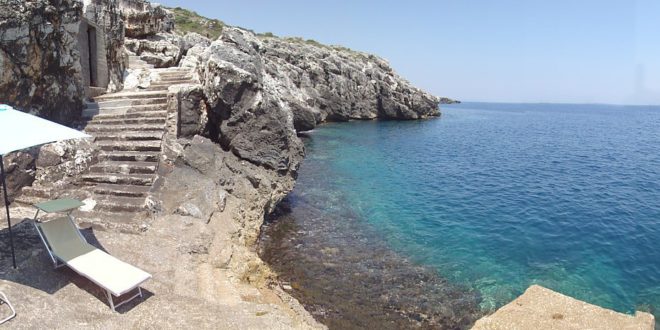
{"points": [[5, 301], [67, 246]]}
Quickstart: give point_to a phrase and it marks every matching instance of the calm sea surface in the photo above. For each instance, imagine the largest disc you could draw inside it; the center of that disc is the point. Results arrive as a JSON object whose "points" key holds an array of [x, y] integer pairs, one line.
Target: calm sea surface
{"points": [[481, 203]]}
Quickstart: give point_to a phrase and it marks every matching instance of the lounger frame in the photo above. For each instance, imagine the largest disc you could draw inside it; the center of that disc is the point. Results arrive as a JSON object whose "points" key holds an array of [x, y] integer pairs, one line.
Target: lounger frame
{"points": [[59, 263]]}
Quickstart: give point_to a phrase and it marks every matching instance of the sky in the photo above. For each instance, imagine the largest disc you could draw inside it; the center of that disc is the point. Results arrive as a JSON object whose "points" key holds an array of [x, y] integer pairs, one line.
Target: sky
{"points": [[565, 51]]}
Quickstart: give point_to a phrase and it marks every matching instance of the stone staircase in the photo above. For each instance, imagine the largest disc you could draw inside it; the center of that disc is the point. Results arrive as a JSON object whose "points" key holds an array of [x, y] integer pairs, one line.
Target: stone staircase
{"points": [[128, 128]]}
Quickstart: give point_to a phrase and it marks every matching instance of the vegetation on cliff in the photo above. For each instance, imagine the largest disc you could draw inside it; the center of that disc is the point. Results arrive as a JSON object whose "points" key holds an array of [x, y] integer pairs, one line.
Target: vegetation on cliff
{"points": [[186, 21]]}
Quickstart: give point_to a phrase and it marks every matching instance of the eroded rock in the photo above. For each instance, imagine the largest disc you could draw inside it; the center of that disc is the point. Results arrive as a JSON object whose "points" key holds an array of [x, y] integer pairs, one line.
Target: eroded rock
{"points": [[40, 69], [144, 19]]}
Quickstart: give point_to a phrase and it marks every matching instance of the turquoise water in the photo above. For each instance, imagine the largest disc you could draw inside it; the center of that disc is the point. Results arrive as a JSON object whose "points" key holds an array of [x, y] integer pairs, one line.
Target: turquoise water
{"points": [[496, 197]]}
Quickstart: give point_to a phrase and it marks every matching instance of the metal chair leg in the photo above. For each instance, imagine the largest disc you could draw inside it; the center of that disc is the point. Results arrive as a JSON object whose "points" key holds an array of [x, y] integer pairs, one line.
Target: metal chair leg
{"points": [[13, 311]]}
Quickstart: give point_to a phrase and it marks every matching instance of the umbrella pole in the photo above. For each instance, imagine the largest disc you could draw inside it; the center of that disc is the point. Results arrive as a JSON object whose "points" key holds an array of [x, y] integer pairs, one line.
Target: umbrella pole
{"points": [[4, 187]]}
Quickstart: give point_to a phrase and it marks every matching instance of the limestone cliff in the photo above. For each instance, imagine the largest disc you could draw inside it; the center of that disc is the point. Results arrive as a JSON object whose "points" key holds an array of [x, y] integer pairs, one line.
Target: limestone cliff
{"points": [[261, 91]]}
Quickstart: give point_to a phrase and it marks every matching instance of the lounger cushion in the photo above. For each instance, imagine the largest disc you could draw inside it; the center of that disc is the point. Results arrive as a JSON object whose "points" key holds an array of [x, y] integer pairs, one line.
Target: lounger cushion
{"points": [[108, 272]]}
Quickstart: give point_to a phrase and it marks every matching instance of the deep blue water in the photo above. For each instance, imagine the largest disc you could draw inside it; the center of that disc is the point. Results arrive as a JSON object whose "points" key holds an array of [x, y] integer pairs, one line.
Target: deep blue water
{"points": [[496, 197]]}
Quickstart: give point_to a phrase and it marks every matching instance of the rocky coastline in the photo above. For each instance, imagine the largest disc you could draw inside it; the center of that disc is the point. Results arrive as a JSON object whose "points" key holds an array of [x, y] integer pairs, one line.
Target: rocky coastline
{"points": [[224, 137], [230, 155]]}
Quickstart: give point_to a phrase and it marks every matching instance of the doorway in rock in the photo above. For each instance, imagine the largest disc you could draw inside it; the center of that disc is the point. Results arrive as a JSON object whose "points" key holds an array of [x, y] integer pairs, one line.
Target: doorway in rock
{"points": [[91, 51]]}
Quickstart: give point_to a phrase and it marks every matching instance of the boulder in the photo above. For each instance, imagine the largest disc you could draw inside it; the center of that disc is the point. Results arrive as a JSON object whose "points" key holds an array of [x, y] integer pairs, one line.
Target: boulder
{"points": [[143, 19], [162, 49]]}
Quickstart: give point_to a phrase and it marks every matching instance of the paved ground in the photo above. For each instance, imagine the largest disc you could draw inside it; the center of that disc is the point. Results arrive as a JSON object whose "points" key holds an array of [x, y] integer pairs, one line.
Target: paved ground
{"points": [[185, 291]]}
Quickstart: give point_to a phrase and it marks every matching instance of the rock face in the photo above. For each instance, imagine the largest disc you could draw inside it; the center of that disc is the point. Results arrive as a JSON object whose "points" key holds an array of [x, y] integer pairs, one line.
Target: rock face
{"points": [[40, 68], [51, 52], [262, 91], [19, 169]]}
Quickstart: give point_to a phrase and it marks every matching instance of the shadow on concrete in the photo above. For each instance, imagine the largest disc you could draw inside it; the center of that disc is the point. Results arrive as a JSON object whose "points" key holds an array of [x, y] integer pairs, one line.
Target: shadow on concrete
{"points": [[35, 267]]}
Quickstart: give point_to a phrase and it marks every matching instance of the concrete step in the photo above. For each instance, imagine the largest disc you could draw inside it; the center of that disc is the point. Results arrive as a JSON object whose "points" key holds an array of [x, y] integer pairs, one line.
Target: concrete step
{"points": [[124, 179], [129, 136], [110, 203], [132, 95], [129, 145], [131, 114], [121, 190], [126, 167], [129, 127], [129, 156], [127, 121]]}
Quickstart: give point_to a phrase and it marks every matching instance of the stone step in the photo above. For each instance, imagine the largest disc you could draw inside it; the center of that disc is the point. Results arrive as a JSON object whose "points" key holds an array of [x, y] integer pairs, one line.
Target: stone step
{"points": [[91, 112], [124, 108], [173, 69], [121, 190], [42, 192], [95, 91], [29, 200], [124, 179], [131, 95], [126, 167], [128, 127], [129, 145], [129, 136], [129, 156], [131, 114], [170, 79], [171, 82], [175, 76], [158, 87], [110, 203], [126, 102], [127, 121]]}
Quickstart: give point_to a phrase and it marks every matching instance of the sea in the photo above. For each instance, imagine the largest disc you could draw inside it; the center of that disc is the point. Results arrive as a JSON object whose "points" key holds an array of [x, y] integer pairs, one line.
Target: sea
{"points": [[435, 223]]}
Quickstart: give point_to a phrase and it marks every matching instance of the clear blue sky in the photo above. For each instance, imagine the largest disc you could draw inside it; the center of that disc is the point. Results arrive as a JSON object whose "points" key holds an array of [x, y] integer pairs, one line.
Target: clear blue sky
{"points": [[576, 51]]}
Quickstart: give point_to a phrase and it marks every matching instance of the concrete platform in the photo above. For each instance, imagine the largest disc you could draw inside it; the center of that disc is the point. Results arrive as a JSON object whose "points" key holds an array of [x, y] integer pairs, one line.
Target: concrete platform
{"points": [[540, 308]]}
